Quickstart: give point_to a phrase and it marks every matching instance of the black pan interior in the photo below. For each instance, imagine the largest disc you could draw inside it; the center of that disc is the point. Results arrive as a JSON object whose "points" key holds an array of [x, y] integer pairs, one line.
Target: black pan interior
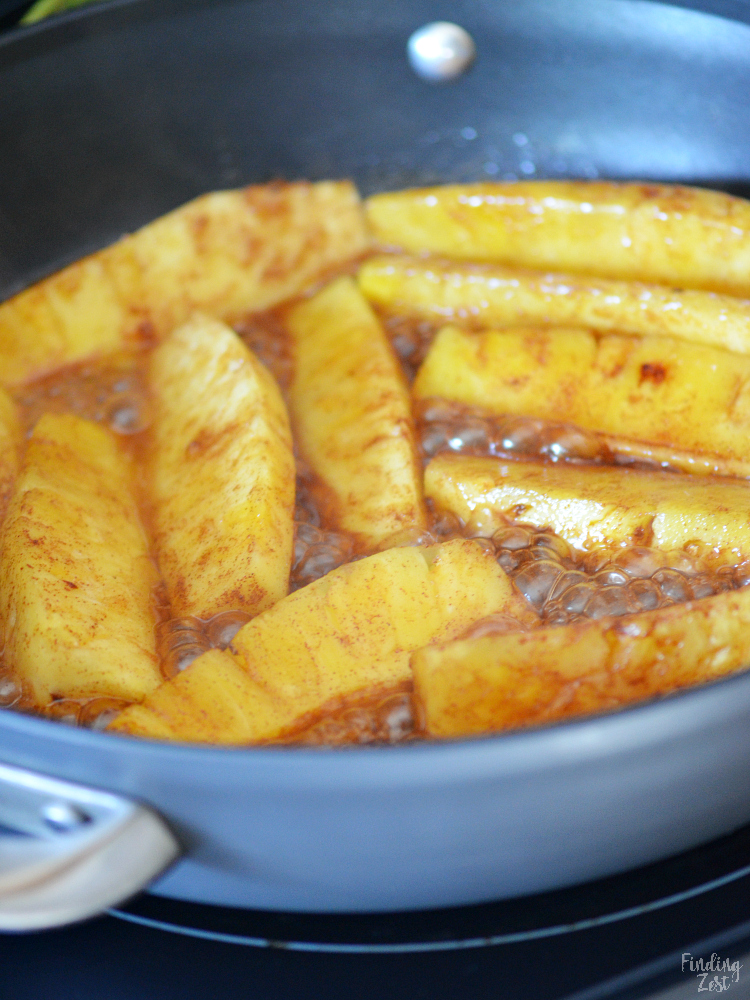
{"points": [[110, 117]]}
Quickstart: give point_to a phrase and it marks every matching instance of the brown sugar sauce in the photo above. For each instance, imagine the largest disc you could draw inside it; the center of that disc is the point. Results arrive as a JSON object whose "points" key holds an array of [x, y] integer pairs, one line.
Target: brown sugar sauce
{"points": [[561, 584], [110, 390]]}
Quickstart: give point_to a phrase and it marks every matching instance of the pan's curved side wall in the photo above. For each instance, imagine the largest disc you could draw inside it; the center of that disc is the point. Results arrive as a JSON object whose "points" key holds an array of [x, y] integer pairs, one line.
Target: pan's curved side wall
{"points": [[111, 117]]}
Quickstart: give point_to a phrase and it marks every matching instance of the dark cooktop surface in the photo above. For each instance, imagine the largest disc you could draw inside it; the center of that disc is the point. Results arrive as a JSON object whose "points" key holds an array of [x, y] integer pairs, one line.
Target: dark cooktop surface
{"points": [[624, 937]]}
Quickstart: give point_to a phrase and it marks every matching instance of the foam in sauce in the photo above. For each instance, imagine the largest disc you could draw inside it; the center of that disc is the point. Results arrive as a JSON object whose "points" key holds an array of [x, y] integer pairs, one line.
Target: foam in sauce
{"points": [[562, 585]]}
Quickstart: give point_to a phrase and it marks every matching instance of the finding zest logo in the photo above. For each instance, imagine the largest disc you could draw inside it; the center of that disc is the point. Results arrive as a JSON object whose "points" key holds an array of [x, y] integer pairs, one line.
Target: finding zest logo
{"points": [[722, 971]]}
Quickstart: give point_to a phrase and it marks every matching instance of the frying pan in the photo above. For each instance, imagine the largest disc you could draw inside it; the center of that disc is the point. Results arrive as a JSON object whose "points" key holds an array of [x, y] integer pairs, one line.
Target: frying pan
{"points": [[113, 115]]}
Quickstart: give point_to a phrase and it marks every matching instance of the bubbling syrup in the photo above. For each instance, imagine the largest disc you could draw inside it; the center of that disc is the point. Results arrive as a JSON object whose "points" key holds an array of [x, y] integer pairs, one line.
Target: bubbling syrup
{"points": [[181, 640], [445, 426], [265, 335], [318, 547], [383, 718], [410, 339], [561, 584], [317, 552], [111, 391], [11, 691], [90, 713], [565, 586]]}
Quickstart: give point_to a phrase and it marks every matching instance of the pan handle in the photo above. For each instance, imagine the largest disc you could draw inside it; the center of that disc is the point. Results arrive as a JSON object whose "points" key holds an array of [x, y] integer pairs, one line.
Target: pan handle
{"points": [[68, 852]]}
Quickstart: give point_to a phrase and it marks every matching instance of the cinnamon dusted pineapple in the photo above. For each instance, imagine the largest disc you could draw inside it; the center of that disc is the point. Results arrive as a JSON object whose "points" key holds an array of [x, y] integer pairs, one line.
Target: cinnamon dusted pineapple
{"points": [[650, 373], [221, 473], [651, 397], [351, 632], [641, 232], [11, 441], [352, 415], [225, 253], [213, 701], [598, 507], [76, 577], [501, 682], [485, 296]]}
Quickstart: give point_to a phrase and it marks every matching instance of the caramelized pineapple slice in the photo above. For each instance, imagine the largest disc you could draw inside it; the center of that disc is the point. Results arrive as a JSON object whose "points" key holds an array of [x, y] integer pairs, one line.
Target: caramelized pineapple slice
{"points": [[225, 253], [668, 395], [643, 232], [221, 473], [213, 701], [501, 682], [597, 508], [76, 579], [481, 296], [352, 414], [349, 632]]}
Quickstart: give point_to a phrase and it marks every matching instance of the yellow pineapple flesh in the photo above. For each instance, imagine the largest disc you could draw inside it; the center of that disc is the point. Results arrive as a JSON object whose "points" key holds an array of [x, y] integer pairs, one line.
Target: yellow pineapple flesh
{"points": [[213, 701], [643, 232], [221, 473], [597, 507], [482, 296], [11, 439], [659, 392], [501, 682], [350, 632], [352, 414], [76, 577], [225, 253]]}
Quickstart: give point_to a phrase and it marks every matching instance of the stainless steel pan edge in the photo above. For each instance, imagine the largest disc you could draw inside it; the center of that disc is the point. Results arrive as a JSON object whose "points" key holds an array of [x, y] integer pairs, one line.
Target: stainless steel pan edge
{"points": [[166, 100]]}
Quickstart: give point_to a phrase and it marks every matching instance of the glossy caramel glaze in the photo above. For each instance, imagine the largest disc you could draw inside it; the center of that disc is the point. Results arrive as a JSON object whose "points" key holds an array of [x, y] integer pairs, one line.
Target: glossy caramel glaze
{"points": [[563, 586]]}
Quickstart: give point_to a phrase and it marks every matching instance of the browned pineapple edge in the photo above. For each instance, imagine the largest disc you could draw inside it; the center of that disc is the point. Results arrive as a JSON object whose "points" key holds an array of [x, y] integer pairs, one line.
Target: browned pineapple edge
{"points": [[287, 467]]}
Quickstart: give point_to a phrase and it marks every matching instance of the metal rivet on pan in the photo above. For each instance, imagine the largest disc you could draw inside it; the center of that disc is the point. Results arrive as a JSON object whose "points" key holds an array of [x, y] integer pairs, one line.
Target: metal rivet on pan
{"points": [[63, 817], [440, 51]]}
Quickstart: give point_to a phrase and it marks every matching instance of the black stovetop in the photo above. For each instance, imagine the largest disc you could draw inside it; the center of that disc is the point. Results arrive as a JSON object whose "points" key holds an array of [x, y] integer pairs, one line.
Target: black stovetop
{"points": [[624, 937]]}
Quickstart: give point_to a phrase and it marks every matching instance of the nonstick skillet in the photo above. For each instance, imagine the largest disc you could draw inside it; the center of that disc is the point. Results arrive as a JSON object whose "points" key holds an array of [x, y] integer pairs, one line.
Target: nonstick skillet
{"points": [[112, 115]]}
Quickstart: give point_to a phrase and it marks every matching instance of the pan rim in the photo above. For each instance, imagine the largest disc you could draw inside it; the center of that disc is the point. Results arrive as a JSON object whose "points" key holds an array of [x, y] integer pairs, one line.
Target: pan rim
{"points": [[82, 22], [551, 747]]}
